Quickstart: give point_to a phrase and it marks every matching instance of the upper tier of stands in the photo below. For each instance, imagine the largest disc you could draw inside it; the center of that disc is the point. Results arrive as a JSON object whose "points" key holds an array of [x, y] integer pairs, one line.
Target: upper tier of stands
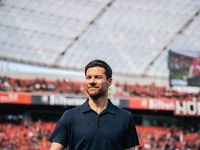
{"points": [[133, 36], [72, 87]]}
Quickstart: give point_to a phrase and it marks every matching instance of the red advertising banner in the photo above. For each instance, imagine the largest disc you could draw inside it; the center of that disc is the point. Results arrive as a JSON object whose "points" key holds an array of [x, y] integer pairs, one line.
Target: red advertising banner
{"points": [[187, 108], [152, 104], [139, 103], [15, 98]]}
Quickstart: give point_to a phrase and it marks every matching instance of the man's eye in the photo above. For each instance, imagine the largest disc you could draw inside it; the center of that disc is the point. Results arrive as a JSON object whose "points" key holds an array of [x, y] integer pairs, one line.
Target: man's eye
{"points": [[88, 77], [98, 77]]}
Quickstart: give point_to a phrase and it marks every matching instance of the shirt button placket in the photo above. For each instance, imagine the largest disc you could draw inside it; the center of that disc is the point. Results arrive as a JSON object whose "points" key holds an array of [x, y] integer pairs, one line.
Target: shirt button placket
{"points": [[98, 123]]}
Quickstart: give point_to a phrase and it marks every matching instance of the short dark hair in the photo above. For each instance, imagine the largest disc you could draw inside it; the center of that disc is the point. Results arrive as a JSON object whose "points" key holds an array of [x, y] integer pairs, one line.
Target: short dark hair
{"points": [[100, 63]]}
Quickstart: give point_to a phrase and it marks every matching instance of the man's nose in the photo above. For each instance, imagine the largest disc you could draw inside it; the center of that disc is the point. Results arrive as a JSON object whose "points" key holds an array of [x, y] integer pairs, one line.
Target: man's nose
{"points": [[92, 81]]}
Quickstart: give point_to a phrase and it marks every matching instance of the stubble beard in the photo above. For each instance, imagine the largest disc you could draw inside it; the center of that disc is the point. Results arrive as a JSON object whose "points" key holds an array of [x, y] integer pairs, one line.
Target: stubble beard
{"points": [[97, 95]]}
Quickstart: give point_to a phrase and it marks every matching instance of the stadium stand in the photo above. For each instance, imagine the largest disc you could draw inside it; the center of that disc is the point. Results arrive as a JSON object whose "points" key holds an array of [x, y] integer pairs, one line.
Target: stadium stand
{"points": [[138, 34], [77, 88], [34, 135], [29, 135]]}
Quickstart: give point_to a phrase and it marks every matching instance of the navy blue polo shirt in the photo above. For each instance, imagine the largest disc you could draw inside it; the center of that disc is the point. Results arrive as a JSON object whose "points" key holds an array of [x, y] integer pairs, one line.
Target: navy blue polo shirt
{"points": [[83, 129]]}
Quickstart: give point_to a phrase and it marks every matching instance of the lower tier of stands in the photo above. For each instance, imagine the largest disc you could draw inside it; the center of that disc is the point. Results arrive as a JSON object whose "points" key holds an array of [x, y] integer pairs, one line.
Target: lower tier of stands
{"points": [[34, 136]]}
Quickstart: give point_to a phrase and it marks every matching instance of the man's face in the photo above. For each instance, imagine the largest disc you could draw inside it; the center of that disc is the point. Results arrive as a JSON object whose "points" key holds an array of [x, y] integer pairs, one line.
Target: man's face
{"points": [[96, 82]]}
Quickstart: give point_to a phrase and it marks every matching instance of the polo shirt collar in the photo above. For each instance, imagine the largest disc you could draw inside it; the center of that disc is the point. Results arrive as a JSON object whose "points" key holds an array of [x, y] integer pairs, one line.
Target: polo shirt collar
{"points": [[86, 107], [110, 108]]}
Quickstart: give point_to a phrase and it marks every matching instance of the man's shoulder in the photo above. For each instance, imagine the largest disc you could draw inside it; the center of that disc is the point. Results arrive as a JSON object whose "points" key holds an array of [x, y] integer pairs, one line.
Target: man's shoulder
{"points": [[70, 114], [121, 111], [73, 111]]}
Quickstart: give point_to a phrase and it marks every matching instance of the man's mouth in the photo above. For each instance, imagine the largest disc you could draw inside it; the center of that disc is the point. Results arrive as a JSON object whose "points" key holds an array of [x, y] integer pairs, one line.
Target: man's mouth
{"points": [[93, 88]]}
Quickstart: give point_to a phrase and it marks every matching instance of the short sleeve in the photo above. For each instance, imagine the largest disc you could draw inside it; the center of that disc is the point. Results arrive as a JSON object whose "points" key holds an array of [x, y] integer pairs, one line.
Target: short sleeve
{"points": [[60, 133], [131, 139]]}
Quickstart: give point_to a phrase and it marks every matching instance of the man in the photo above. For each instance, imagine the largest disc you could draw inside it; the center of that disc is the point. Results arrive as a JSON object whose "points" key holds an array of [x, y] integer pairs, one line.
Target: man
{"points": [[97, 124]]}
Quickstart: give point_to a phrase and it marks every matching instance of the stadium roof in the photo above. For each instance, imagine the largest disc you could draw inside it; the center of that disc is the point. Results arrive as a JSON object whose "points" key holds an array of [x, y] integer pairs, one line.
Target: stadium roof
{"points": [[133, 36]]}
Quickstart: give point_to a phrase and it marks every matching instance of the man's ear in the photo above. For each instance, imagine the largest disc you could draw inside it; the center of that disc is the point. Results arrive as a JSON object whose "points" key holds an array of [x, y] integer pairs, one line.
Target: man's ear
{"points": [[109, 82]]}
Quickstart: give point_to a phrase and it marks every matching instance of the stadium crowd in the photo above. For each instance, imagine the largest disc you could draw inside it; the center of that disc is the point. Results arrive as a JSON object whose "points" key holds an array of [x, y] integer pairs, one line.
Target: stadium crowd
{"points": [[34, 136], [172, 138], [71, 87], [26, 136]]}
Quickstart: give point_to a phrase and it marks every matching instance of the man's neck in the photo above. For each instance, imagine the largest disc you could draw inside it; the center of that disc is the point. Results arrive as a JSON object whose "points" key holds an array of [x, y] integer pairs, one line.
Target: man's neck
{"points": [[98, 105]]}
